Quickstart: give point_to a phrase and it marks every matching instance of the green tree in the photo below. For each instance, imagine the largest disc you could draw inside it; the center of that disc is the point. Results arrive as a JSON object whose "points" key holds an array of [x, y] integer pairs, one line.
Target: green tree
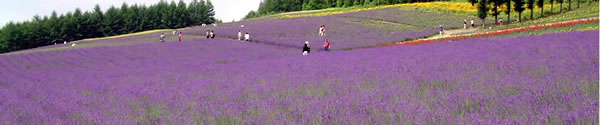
{"points": [[210, 12], [519, 7], [530, 5], [181, 15], [127, 19], [569, 4], [551, 6], [561, 3], [112, 22], [356, 3], [507, 11], [4, 44], [495, 11], [76, 25], [347, 3], [135, 15], [250, 14], [540, 4], [482, 11], [96, 21], [171, 18]]}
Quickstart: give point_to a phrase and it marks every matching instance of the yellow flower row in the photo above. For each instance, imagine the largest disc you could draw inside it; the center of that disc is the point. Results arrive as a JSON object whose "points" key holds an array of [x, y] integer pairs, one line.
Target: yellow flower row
{"points": [[443, 6], [464, 7]]}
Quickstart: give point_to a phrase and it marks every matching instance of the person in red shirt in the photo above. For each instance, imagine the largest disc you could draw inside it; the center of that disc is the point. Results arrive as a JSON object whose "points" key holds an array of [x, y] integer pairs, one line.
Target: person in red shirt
{"points": [[327, 45], [180, 36]]}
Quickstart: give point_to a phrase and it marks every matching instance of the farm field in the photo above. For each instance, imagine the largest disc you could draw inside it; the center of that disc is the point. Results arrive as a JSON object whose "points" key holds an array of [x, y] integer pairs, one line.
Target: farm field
{"points": [[547, 76]]}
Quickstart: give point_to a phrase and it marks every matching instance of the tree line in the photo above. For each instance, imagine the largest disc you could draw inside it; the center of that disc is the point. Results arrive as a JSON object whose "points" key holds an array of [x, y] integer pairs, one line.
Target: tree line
{"points": [[77, 25], [269, 7], [485, 7]]}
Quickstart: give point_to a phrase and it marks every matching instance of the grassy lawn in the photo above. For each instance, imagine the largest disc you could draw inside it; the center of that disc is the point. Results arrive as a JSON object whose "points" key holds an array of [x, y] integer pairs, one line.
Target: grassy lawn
{"points": [[131, 34], [578, 27], [109, 44], [586, 11]]}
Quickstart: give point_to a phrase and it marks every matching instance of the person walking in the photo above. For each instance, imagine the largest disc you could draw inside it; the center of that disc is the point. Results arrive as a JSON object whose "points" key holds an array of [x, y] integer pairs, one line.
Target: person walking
{"points": [[239, 35], [212, 34], [327, 45], [321, 30], [207, 34], [180, 36], [247, 37], [306, 49], [472, 23], [465, 24], [441, 31], [162, 37]]}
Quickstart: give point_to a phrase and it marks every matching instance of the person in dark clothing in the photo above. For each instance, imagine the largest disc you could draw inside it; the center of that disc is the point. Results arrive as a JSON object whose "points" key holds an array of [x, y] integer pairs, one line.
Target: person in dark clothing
{"points": [[212, 34], [306, 49]]}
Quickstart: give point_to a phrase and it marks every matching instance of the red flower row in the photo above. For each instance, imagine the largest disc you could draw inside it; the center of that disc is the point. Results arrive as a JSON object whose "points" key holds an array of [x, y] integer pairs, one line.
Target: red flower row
{"points": [[499, 32]]}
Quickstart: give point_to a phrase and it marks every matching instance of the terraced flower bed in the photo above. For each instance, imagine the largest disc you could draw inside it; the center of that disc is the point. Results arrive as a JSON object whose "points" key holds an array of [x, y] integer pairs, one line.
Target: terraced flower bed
{"points": [[499, 32], [545, 79]]}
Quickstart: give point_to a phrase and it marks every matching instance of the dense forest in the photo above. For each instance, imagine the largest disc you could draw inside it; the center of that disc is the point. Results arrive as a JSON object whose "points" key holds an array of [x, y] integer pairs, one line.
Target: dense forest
{"points": [[77, 25], [268, 7]]}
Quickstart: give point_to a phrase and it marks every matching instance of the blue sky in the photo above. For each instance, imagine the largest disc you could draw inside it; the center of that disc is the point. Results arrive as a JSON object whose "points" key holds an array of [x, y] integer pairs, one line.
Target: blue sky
{"points": [[21, 10]]}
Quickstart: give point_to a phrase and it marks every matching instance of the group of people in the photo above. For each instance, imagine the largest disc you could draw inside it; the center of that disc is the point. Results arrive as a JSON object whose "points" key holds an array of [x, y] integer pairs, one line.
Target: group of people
{"points": [[246, 36], [210, 34], [322, 30], [162, 36], [326, 45], [465, 24], [306, 48]]}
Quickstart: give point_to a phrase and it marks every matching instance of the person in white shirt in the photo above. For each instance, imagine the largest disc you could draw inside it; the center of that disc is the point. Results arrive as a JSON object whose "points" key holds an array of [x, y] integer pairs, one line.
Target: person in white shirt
{"points": [[162, 37], [247, 37], [465, 24], [239, 35], [441, 31], [321, 31]]}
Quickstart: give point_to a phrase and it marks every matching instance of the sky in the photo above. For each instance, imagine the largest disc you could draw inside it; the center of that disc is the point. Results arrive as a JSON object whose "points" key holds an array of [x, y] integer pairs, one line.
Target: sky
{"points": [[22, 10]]}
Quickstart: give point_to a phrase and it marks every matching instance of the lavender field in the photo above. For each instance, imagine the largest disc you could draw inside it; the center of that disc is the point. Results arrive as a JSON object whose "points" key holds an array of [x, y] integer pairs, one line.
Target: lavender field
{"points": [[345, 31], [547, 79], [349, 30]]}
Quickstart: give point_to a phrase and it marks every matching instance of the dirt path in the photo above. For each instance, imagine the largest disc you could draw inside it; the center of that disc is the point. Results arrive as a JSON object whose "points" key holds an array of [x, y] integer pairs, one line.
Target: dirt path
{"points": [[454, 32]]}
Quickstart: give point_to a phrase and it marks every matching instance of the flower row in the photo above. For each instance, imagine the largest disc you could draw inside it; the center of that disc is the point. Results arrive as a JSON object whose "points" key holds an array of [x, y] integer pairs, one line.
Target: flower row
{"points": [[499, 32]]}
